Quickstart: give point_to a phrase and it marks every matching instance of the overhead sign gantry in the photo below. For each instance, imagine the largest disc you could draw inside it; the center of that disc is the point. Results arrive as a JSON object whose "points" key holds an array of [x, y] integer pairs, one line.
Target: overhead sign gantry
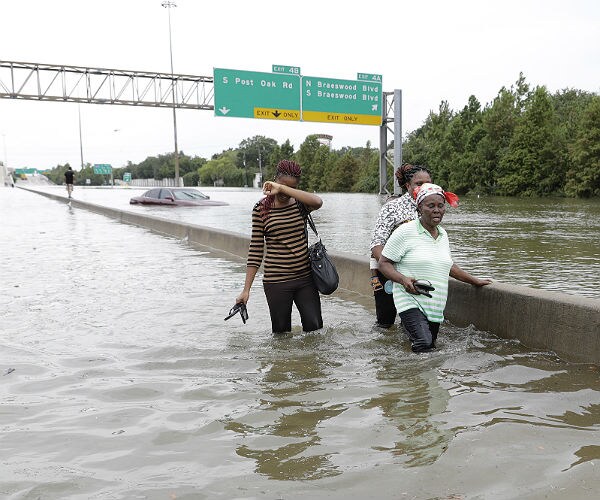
{"points": [[359, 101], [285, 94]]}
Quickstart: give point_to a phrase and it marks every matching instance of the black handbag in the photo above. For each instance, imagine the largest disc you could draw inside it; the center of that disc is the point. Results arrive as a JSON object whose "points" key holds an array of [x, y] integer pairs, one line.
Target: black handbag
{"points": [[324, 272]]}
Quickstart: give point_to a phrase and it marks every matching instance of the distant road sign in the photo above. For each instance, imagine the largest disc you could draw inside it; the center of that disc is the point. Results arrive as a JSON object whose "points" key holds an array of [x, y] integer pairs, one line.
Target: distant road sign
{"points": [[369, 77], [292, 70], [127, 177], [250, 94], [102, 169], [341, 101]]}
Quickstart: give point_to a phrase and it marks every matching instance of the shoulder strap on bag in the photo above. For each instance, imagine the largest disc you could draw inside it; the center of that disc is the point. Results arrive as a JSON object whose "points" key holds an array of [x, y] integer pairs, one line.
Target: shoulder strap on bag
{"points": [[307, 217]]}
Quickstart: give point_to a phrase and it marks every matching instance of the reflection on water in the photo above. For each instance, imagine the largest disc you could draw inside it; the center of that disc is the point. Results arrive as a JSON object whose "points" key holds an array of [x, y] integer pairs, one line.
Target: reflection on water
{"points": [[586, 454], [552, 244], [285, 443], [413, 401], [120, 379]]}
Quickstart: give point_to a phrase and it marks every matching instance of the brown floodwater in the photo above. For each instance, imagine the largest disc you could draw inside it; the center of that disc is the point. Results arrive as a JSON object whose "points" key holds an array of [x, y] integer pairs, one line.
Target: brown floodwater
{"points": [[547, 243], [119, 379]]}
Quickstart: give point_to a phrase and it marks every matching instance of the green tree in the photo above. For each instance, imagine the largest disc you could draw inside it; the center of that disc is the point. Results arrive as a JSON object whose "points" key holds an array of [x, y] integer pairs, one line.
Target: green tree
{"points": [[57, 174], [530, 166], [342, 176], [254, 155], [222, 169], [191, 179], [464, 134], [367, 179], [521, 93], [583, 176], [498, 124], [322, 161], [283, 152], [439, 151], [306, 158]]}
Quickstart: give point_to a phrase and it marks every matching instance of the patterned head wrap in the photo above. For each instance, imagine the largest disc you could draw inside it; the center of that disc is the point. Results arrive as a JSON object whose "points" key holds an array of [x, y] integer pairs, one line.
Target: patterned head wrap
{"points": [[427, 189]]}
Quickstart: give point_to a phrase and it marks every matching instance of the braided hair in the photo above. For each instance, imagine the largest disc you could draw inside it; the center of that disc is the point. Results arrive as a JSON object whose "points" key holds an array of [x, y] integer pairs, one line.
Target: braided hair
{"points": [[407, 171], [285, 168]]}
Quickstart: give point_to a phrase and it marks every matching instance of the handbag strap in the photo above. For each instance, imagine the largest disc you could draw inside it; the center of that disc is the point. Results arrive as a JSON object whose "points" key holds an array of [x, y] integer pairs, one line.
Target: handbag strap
{"points": [[307, 217]]}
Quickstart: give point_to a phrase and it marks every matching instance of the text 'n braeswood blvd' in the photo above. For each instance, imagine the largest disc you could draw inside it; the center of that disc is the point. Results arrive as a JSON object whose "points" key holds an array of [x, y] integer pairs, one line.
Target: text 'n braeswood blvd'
{"points": [[286, 95]]}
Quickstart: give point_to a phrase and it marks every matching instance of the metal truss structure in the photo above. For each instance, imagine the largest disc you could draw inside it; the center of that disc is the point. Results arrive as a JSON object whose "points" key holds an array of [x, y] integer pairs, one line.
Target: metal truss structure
{"points": [[48, 82]]}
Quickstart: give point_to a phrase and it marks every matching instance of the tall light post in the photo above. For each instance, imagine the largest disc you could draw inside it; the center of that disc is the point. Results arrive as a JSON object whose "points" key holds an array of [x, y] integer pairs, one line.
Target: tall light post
{"points": [[80, 139], [168, 4], [260, 164], [4, 170], [5, 155]]}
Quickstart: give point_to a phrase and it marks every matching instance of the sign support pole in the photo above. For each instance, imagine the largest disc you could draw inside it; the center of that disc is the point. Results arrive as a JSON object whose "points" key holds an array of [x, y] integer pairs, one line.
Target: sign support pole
{"points": [[397, 137], [383, 160], [392, 114]]}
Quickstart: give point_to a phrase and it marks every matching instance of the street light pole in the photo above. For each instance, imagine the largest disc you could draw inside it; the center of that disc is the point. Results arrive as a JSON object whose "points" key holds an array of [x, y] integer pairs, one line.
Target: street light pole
{"points": [[5, 156], [80, 140], [4, 170], [260, 164], [168, 4], [245, 171]]}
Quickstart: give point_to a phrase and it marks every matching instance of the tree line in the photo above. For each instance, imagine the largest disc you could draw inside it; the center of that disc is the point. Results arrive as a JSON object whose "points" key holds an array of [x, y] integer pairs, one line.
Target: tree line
{"points": [[526, 142]]}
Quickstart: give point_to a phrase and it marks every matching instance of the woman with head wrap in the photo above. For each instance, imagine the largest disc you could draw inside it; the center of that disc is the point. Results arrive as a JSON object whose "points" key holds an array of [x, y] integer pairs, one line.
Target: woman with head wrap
{"points": [[395, 212], [278, 224], [419, 250]]}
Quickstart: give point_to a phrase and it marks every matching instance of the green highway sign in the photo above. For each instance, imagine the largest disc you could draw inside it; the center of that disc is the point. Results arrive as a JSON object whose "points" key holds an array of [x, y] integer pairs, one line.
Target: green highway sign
{"points": [[341, 101], [286, 95], [102, 169], [292, 70], [30, 171], [250, 94], [369, 77], [127, 177]]}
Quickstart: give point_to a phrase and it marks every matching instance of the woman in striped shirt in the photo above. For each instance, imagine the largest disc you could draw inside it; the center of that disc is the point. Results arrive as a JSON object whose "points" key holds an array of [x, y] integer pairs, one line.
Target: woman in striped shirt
{"points": [[420, 250], [279, 226]]}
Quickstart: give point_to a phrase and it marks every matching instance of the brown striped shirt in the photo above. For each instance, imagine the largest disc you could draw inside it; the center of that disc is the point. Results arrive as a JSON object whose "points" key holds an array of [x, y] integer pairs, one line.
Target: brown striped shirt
{"points": [[283, 231]]}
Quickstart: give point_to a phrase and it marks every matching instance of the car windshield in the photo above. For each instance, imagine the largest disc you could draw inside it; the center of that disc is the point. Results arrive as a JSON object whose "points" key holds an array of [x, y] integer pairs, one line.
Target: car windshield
{"points": [[190, 195]]}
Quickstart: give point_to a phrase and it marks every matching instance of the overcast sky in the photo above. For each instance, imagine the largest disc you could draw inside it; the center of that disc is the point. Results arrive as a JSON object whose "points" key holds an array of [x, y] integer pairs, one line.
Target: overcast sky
{"points": [[431, 49]]}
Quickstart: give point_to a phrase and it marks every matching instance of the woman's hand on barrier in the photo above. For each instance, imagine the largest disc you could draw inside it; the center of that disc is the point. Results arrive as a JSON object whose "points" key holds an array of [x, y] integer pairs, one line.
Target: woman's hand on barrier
{"points": [[460, 274]]}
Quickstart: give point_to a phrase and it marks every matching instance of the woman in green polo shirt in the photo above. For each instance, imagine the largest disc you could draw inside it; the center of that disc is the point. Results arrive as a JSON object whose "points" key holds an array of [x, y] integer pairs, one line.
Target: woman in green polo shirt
{"points": [[419, 250]]}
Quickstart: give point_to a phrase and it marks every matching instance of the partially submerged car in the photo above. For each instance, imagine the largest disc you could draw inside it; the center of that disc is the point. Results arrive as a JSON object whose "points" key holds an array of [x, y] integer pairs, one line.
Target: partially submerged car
{"points": [[175, 196]]}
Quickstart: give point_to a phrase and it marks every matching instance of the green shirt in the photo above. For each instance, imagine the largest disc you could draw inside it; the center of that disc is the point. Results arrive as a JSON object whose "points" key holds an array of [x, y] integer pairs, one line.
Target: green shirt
{"points": [[417, 254]]}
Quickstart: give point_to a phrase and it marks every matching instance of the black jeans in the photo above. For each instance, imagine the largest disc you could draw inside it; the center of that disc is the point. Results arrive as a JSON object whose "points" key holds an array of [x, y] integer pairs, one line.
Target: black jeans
{"points": [[384, 305], [304, 294], [421, 332]]}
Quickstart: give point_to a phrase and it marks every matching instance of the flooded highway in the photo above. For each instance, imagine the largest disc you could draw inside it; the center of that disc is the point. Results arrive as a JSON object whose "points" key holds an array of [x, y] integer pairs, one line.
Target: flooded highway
{"points": [[545, 243], [119, 379]]}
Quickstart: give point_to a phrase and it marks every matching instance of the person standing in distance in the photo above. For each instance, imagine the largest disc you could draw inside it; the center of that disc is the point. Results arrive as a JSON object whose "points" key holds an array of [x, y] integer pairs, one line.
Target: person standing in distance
{"points": [[69, 178], [279, 227], [396, 211]]}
